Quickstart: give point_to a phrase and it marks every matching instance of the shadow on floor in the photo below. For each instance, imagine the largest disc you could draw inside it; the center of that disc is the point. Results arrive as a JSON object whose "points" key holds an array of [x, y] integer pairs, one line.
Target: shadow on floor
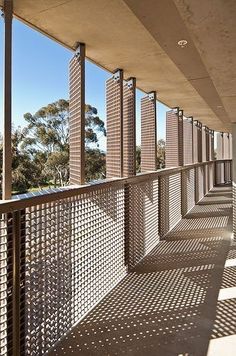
{"points": [[168, 304]]}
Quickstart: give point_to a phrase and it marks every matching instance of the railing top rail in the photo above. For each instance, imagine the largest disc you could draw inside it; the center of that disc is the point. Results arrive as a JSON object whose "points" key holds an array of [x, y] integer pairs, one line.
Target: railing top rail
{"points": [[23, 201]]}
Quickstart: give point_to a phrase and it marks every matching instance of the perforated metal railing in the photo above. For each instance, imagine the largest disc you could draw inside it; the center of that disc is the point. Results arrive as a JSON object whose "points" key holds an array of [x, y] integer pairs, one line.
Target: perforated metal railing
{"points": [[223, 171], [61, 252]]}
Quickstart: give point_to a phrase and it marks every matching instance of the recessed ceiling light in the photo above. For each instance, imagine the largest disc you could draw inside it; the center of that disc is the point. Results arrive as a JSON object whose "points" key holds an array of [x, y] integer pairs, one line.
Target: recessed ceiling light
{"points": [[182, 43], [219, 106]]}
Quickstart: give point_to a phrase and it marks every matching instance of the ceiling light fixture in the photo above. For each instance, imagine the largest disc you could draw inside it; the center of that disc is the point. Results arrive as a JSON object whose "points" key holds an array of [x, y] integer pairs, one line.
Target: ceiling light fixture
{"points": [[182, 43]]}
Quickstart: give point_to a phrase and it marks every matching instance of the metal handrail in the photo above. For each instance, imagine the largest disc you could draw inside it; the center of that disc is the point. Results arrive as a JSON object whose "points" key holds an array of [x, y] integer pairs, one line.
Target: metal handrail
{"points": [[23, 201]]}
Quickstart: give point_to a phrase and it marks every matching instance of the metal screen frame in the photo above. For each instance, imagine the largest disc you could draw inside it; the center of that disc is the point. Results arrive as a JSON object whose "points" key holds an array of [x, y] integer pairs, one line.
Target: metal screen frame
{"points": [[77, 116], [114, 114], [148, 133], [129, 127]]}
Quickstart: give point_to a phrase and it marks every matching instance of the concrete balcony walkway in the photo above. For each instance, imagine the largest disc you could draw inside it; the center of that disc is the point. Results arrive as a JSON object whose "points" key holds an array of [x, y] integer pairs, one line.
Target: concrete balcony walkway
{"points": [[180, 299]]}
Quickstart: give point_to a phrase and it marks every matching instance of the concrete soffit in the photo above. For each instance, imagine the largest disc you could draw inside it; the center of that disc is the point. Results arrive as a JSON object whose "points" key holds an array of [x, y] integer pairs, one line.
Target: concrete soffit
{"points": [[141, 38]]}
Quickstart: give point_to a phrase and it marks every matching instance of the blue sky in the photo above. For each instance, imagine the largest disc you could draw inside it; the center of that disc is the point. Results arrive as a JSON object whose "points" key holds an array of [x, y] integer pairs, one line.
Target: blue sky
{"points": [[40, 76]]}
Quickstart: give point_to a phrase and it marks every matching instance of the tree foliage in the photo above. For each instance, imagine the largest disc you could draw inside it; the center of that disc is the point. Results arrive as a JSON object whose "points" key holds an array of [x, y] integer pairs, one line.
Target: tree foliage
{"points": [[161, 147], [40, 150], [48, 135]]}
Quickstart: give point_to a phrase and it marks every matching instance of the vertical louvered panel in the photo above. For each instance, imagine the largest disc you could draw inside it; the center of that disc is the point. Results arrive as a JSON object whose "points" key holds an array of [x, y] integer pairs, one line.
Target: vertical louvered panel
{"points": [[172, 139], [199, 126], [129, 143], [170, 202], [230, 146], [230, 171], [195, 143], [181, 140], [188, 190], [219, 147], [143, 219], [211, 145], [77, 116], [207, 144], [226, 145], [187, 141], [114, 114], [148, 133], [204, 139]]}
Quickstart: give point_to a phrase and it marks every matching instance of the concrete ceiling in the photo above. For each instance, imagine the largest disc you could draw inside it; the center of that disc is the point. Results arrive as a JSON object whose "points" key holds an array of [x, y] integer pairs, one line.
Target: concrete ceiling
{"points": [[140, 36]]}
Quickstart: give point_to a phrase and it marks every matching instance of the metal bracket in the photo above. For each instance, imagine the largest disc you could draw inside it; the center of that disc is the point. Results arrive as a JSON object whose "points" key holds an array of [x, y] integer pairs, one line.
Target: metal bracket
{"points": [[118, 75], [152, 96], [78, 49], [130, 83], [77, 53], [189, 119], [4, 10]]}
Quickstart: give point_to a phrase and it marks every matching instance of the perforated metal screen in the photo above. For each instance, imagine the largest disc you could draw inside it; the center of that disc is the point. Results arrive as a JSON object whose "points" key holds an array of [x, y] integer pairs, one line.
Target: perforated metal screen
{"points": [[220, 174], [129, 143], [114, 114], [181, 138], [204, 141], [187, 141], [170, 202], [172, 139], [74, 256], [188, 190], [195, 143], [206, 179], [211, 145], [211, 176], [143, 219], [219, 147], [4, 236], [223, 172], [207, 144], [148, 133], [228, 172], [199, 127], [226, 148], [74, 249], [77, 116], [199, 183], [230, 146]]}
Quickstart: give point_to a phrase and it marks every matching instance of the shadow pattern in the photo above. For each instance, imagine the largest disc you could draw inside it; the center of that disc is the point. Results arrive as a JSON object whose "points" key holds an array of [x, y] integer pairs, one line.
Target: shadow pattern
{"points": [[168, 304]]}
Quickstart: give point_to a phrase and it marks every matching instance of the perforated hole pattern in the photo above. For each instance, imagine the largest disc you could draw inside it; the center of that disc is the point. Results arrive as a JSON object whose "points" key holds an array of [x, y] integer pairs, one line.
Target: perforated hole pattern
{"points": [[74, 250]]}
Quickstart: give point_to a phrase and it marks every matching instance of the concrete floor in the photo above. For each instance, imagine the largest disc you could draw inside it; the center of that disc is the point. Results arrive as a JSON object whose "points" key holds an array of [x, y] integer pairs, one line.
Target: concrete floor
{"points": [[180, 300]]}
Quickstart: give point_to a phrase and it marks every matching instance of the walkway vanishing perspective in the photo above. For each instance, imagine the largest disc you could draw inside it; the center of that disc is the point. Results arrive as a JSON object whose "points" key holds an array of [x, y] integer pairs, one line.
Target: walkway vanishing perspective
{"points": [[179, 300]]}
